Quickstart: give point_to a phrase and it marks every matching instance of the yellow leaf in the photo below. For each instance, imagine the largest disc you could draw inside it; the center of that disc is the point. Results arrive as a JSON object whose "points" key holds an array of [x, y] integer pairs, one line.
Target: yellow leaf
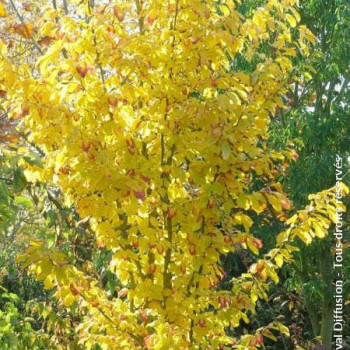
{"points": [[243, 202], [291, 20], [268, 334], [273, 276], [258, 203], [319, 231], [271, 24], [279, 260], [3, 12], [252, 246], [296, 14], [225, 10], [305, 236], [68, 300], [286, 254], [49, 281], [282, 328], [274, 202]]}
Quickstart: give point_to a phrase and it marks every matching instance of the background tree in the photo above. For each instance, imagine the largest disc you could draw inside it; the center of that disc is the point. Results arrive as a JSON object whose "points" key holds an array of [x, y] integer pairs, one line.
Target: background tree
{"points": [[318, 121]]}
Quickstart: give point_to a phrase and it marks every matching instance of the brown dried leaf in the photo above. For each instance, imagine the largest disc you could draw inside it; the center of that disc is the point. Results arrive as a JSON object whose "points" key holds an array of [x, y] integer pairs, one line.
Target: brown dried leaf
{"points": [[24, 30]]}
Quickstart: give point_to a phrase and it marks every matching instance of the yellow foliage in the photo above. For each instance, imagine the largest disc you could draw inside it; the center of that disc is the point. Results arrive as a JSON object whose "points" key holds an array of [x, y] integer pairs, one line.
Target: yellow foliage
{"points": [[154, 139]]}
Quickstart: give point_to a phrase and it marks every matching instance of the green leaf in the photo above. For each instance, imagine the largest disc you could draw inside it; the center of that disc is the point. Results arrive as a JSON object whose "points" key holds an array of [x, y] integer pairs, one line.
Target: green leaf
{"points": [[33, 161], [10, 296], [21, 200], [3, 192], [19, 180]]}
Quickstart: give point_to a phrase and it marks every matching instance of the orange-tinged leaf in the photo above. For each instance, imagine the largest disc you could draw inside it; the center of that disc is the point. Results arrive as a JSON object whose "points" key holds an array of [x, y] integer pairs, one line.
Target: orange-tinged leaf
{"points": [[24, 30]]}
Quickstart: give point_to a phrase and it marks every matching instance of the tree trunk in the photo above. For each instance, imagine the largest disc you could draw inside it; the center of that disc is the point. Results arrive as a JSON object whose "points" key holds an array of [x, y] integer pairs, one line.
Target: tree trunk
{"points": [[311, 307], [327, 303]]}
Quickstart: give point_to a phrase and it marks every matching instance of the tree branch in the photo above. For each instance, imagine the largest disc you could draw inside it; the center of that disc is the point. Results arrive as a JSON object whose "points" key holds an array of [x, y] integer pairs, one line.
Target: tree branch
{"points": [[65, 7]]}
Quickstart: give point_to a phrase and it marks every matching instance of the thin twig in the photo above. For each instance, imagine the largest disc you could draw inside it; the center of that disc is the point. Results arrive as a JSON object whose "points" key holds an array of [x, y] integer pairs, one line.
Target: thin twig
{"points": [[140, 16], [42, 153], [21, 53]]}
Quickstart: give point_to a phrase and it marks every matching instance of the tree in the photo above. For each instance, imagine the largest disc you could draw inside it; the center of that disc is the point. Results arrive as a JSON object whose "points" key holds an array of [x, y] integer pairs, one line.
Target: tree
{"points": [[159, 148], [318, 121]]}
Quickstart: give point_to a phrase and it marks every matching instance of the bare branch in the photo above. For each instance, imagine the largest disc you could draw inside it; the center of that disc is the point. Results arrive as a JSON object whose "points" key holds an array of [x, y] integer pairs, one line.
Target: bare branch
{"points": [[65, 7]]}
